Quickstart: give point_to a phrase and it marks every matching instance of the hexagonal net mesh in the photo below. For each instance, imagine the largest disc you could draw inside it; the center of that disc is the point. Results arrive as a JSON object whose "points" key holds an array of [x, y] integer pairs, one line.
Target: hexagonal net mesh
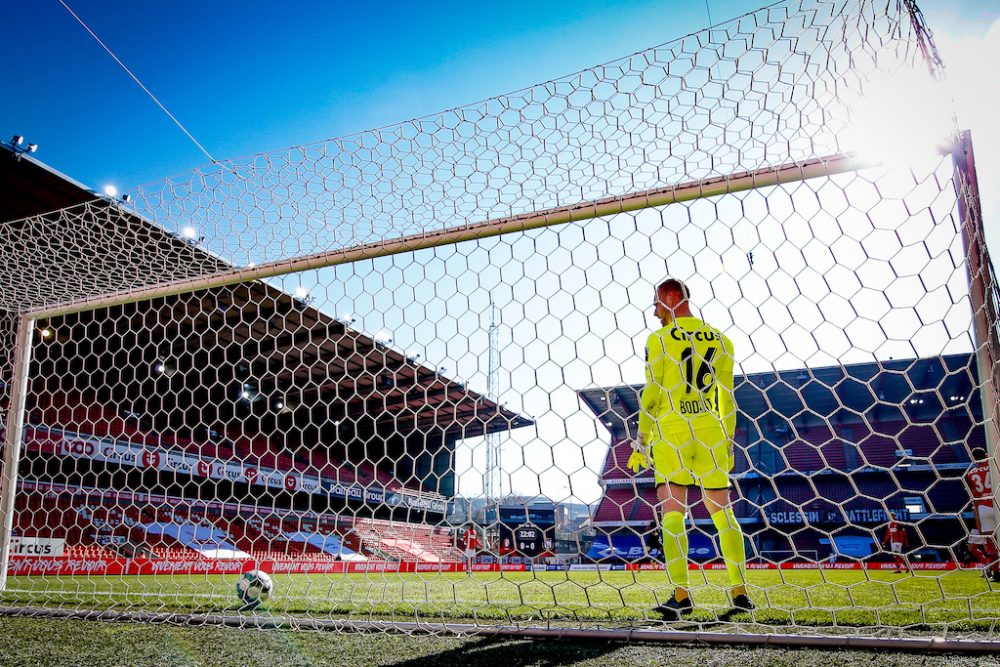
{"points": [[403, 373]]}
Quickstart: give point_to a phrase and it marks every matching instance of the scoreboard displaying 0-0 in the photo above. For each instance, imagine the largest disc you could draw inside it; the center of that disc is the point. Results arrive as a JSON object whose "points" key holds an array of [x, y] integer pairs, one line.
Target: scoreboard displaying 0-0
{"points": [[528, 540], [519, 530]]}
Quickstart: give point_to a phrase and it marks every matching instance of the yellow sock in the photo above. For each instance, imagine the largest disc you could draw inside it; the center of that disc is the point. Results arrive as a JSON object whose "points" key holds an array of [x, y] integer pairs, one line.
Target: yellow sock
{"points": [[733, 549], [675, 549]]}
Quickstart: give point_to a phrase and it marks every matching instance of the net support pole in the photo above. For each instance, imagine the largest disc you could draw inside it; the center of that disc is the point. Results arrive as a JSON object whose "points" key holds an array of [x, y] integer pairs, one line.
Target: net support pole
{"points": [[21, 358], [982, 292]]}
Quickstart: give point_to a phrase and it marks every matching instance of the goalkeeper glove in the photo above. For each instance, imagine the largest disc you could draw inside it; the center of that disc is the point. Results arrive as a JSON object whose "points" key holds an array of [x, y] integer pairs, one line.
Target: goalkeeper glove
{"points": [[639, 459]]}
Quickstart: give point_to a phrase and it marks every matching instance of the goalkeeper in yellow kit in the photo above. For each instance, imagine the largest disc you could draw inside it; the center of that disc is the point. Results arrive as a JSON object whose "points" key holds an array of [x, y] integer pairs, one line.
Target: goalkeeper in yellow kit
{"points": [[686, 425]]}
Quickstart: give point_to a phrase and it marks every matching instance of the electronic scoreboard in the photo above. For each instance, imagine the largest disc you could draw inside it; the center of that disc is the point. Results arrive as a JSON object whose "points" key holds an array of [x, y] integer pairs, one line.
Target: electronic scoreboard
{"points": [[527, 531]]}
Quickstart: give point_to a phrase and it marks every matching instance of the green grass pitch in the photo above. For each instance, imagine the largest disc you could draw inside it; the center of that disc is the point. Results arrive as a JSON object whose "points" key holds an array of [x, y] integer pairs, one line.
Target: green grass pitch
{"points": [[959, 599], [62, 643]]}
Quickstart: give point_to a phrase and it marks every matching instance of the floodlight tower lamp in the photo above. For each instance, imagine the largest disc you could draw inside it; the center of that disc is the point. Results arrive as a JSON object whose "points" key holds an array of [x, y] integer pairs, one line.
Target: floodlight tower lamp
{"points": [[165, 367], [18, 146]]}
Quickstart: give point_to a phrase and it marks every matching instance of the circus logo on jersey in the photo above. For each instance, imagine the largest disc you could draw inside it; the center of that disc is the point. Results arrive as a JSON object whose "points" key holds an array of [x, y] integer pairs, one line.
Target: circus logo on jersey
{"points": [[291, 482], [150, 459]]}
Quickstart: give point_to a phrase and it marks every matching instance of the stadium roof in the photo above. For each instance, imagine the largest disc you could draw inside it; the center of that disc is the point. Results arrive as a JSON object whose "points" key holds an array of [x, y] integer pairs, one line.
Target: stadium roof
{"points": [[203, 342], [885, 390], [29, 187], [61, 241]]}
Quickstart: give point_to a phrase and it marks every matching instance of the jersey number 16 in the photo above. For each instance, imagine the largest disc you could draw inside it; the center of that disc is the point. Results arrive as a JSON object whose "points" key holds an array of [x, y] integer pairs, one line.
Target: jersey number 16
{"points": [[704, 378]]}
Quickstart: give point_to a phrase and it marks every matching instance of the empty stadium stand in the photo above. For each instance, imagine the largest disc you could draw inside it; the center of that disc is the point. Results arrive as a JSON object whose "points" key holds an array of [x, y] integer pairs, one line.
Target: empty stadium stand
{"points": [[406, 541], [809, 470], [96, 522], [75, 413]]}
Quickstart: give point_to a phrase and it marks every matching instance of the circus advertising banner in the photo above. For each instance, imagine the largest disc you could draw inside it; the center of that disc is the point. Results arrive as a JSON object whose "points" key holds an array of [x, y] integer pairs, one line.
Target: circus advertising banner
{"points": [[30, 565], [184, 463], [378, 496], [67, 566], [167, 460], [36, 546]]}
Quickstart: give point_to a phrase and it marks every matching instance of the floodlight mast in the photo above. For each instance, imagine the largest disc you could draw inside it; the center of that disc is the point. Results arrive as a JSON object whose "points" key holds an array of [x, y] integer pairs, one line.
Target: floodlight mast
{"points": [[493, 485]]}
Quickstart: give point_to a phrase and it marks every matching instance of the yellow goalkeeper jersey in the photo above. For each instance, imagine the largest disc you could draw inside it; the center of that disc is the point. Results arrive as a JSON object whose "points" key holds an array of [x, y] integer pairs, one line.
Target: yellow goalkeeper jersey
{"points": [[689, 380]]}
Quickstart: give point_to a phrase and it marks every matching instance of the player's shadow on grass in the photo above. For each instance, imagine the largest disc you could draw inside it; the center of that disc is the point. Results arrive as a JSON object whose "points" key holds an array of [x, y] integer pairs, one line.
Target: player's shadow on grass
{"points": [[514, 653]]}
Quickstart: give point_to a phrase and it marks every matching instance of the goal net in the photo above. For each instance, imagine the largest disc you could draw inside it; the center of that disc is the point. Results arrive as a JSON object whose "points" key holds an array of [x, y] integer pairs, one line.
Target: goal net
{"points": [[401, 372]]}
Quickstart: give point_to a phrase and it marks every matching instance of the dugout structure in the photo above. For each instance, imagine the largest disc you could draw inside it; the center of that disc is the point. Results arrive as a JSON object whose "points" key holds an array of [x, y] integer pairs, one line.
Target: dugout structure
{"points": [[748, 159]]}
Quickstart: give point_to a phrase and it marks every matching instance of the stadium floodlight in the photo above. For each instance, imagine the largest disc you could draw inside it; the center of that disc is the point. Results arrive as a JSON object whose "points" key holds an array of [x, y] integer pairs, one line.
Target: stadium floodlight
{"points": [[110, 190], [165, 367], [190, 233], [250, 393], [46, 333], [915, 506], [17, 144]]}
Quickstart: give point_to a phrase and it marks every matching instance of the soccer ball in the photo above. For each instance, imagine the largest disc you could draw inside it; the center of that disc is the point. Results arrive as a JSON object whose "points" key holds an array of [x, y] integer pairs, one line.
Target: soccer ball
{"points": [[253, 588]]}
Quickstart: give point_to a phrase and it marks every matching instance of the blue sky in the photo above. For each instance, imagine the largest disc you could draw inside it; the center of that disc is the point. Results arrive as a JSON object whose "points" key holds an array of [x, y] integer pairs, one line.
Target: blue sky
{"points": [[246, 77], [253, 76]]}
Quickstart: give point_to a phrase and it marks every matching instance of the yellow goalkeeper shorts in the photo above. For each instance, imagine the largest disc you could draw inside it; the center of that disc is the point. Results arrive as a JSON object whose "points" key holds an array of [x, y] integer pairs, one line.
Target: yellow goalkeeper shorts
{"points": [[688, 458]]}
